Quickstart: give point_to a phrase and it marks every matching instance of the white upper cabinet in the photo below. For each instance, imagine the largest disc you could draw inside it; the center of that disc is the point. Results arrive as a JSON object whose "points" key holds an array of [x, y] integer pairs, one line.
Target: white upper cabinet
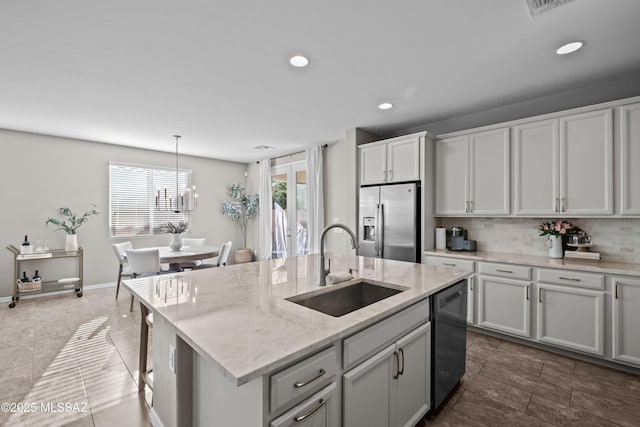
{"points": [[586, 163], [473, 174], [452, 176], [535, 176], [564, 167], [387, 162], [630, 159]]}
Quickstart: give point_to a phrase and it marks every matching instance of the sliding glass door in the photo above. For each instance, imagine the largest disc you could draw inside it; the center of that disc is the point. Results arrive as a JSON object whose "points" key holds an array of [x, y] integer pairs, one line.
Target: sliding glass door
{"points": [[289, 195]]}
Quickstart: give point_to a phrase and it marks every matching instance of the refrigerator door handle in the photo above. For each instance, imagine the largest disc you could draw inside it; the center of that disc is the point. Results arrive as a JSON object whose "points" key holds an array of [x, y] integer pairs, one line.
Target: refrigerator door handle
{"points": [[377, 225], [381, 231]]}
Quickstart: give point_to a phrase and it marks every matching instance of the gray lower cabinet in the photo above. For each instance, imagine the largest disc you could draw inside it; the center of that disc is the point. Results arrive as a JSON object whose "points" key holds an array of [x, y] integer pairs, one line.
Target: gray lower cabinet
{"points": [[320, 410], [504, 305], [626, 318], [392, 387]]}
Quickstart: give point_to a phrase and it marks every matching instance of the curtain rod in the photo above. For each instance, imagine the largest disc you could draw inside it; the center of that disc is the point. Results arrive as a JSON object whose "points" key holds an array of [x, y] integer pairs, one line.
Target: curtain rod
{"points": [[291, 154]]}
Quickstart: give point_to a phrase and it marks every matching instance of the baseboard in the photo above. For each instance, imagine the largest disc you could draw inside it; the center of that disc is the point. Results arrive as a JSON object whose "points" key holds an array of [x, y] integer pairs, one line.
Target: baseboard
{"points": [[46, 294]]}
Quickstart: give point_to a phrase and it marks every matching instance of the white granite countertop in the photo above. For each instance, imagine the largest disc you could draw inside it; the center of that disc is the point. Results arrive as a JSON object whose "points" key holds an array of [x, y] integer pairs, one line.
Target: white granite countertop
{"points": [[605, 267], [237, 316]]}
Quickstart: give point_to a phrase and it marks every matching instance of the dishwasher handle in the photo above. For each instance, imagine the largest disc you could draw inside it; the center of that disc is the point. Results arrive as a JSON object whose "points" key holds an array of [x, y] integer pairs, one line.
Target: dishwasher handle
{"points": [[450, 298]]}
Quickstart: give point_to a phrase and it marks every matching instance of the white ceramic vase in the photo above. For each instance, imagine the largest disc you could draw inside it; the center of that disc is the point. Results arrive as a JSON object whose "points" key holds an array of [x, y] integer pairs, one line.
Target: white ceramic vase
{"points": [[176, 241], [71, 243], [555, 246]]}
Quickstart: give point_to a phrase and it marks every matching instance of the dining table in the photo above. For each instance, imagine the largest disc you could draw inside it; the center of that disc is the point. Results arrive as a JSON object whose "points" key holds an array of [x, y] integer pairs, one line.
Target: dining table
{"points": [[185, 254]]}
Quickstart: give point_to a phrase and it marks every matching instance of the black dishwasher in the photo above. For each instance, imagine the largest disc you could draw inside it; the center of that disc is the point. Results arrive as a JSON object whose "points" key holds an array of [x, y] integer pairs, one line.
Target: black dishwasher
{"points": [[449, 340]]}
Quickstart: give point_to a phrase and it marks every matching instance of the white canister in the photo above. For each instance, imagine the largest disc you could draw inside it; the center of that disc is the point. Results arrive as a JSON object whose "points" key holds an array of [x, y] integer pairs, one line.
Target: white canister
{"points": [[441, 238]]}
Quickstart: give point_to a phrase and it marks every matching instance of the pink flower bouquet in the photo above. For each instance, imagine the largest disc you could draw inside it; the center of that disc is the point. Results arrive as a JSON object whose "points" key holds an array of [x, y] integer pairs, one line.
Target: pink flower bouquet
{"points": [[558, 228]]}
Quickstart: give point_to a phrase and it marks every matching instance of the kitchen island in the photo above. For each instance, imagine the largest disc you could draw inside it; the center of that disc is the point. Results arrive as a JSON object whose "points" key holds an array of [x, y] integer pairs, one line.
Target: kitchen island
{"points": [[222, 336]]}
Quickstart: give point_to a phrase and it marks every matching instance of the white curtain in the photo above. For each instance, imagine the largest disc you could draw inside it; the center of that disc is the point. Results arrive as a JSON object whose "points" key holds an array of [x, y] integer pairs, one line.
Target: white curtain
{"points": [[280, 234], [315, 197], [265, 209]]}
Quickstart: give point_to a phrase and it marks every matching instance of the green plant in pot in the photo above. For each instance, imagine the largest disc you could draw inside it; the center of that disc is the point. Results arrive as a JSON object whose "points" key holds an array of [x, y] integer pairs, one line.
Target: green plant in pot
{"points": [[70, 222], [241, 208]]}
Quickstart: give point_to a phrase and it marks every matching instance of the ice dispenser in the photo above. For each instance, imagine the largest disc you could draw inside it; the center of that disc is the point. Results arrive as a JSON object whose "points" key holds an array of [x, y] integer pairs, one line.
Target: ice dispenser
{"points": [[369, 228]]}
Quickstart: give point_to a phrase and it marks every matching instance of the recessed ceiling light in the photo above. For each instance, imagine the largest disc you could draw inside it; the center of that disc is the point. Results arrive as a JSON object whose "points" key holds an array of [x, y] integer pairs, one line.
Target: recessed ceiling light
{"points": [[569, 47], [299, 61], [385, 106], [263, 147]]}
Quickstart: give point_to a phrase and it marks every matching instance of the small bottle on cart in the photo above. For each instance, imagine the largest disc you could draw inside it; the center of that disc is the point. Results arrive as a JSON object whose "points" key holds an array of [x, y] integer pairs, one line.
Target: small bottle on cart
{"points": [[26, 241], [36, 277], [24, 278]]}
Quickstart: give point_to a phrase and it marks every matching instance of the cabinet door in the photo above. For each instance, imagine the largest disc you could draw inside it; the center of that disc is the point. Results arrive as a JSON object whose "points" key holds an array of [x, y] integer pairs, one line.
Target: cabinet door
{"points": [[626, 318], [413, 386], [489, 185], [373, 164], [586, 164], [367, 391], [471, 299], [503, 305], [630, 159], [571, 317], [452, 176], [320, 410], [403, 161], [536, 168]]}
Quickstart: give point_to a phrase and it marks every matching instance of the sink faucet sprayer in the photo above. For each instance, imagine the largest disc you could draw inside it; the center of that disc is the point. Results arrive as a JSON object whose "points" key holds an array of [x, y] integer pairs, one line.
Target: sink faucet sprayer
{"points": [[354, 244]]}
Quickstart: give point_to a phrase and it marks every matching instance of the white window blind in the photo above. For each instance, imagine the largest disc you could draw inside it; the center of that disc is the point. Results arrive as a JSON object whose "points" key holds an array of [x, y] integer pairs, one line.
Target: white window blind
{"points": [[133, 191]]}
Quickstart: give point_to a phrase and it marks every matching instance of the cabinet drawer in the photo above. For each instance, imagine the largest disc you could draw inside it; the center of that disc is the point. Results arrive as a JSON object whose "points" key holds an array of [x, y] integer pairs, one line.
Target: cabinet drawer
{"points": [[456, 264], [571, 278], [321, 409], [303, 378], [363, 344], [505, 270]]}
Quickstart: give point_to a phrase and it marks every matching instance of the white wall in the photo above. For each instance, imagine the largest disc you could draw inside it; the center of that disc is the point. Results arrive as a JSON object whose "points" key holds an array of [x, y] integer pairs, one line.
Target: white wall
{"points": [[41, 173]]}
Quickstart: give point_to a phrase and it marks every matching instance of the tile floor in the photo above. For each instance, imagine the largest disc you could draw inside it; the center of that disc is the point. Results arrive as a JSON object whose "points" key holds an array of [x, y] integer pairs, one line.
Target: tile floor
{"points": [[84, 353], [509, 384], [78, 352]]}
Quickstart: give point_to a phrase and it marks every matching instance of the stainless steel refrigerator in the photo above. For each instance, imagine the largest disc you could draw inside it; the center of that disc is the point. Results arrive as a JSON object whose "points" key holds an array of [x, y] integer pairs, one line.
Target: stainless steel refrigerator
{"points": [[389, 222]]}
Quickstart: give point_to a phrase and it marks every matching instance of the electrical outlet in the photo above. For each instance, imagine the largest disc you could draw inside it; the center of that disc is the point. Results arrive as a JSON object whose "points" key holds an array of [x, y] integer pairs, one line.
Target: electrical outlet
{"points": [[172, 358]]}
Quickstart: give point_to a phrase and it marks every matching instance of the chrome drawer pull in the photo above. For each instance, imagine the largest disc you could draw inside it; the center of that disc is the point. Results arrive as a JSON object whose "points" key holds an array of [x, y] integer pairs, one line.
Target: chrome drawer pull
{"points": [[321, 403], [401, 371], [504, 271], [303, 383], [449, 264], [569, 278]]}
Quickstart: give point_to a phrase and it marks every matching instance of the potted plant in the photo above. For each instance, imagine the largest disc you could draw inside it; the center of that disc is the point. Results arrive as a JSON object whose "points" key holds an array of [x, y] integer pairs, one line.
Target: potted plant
{"points": [[241, 207], [176, 229], [70, 222]]}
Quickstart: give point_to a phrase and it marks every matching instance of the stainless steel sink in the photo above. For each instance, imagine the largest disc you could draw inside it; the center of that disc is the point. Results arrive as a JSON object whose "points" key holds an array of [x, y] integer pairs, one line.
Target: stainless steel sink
{"points": [[346, 299]]}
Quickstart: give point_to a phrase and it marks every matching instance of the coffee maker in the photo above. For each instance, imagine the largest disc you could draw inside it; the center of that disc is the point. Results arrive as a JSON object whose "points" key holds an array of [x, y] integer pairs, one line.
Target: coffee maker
{"points": [[457, 240]]}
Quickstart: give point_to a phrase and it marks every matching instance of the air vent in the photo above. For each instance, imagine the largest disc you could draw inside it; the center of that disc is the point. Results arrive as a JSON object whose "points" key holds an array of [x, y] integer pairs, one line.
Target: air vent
{"points": [[536, 7]]}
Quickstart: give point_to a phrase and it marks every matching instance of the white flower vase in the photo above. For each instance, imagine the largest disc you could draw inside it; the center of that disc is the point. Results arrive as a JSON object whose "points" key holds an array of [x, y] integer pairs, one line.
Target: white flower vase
{"points": [[555, 246], [176, 242], [71, 243]]}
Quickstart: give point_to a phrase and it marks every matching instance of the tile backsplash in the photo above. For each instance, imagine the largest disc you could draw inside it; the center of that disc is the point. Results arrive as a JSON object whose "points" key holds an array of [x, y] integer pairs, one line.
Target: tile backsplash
{"points": [[617, 239]]}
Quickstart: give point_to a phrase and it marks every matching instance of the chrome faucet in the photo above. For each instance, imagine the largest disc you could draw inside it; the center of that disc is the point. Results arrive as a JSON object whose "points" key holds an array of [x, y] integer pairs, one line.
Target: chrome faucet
{"points": [[354, 244]]}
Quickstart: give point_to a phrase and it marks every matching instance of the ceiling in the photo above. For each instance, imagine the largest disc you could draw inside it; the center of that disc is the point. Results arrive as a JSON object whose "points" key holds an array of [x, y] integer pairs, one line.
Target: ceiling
{"points": [[136, 72]]}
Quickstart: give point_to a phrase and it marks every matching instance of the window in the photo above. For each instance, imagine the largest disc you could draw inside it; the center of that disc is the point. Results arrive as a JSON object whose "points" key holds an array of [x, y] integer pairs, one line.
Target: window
{"points": [[133, 191]]}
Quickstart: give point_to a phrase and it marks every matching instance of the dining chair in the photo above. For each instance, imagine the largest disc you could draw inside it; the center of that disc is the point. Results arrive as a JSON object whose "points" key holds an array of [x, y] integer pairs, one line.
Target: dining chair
{"points": [[125, 268], [192, 241], [221, 260], [143, 262]]}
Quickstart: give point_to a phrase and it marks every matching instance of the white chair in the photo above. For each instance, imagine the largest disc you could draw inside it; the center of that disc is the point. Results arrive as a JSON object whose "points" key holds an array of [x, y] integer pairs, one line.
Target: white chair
{"points": [[124, 270], [143, 262], [192, 241], [225, 250], [221, 260]]}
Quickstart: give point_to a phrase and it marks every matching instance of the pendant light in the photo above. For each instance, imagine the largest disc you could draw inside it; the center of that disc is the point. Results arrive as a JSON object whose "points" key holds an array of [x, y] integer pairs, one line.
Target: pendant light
{"points": [[185, 201]]}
